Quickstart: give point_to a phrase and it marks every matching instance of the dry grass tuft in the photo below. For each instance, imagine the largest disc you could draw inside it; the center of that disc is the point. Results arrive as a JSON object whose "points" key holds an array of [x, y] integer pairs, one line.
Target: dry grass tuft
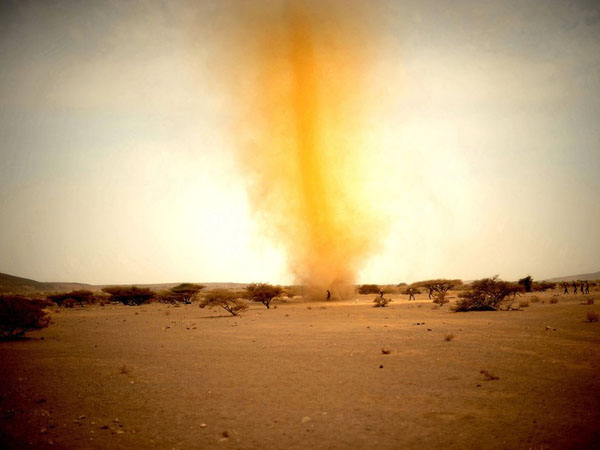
{"points": [[535, 299], [488, 375], [523, 304], [590, 301], [553, 300], [592, 316]]}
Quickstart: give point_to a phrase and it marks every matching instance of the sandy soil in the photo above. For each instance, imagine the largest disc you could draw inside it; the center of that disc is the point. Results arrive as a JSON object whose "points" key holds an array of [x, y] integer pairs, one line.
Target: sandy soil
{"points": [[295, 378]]}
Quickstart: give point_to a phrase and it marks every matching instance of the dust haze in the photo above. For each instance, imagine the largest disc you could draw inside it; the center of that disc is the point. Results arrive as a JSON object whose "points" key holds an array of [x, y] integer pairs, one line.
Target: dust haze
{"points": [[298, 77]]}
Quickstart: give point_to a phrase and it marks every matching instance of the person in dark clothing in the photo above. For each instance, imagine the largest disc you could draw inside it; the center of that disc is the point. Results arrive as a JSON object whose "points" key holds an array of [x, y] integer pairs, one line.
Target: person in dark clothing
{"points": [[566, 286], [380, 293], [581, 287], [328, 294], [411, 295], [430, 292], [587, 287], [575, 287]]}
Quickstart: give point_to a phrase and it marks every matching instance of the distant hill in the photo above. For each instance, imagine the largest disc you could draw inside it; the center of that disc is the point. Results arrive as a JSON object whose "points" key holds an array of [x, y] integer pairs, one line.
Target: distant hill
{"points": [[583, 276], [17, 285]]}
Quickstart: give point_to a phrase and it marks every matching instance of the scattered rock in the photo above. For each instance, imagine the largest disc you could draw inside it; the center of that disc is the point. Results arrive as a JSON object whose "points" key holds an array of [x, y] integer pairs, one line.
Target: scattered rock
{"points": [[386, 351], [306, 419], [381, 366], [203, 425]]}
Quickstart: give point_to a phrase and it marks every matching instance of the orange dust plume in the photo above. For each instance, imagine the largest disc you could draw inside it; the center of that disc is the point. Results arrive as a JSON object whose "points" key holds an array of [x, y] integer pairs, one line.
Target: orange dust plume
{"points": [[299, 76]]}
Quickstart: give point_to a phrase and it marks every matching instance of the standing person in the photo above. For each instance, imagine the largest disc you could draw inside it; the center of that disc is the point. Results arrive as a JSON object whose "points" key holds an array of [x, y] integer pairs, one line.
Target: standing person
{"points": [[566, 286], [430, 292], [411, 294], [328, 294], [581, 287], [380, 293], [575, 287], [587, 287]]}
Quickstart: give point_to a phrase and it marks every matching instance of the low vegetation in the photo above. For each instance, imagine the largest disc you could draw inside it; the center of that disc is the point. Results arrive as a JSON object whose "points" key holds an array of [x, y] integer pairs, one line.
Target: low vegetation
{"points": [[368, 289], [19, 314], [130, 295], [381, 302], [68, 299], [592, 316]]}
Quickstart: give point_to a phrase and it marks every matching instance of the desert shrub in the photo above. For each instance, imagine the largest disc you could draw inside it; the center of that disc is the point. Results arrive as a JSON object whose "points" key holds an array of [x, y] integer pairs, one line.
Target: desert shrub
{"points": [[542, 286], [440, 298], [263, 293], [527, 283], [130, 295], [523, 304], [488, 294], [225, 299], [79, 297], [70, 303], [592, 316], [416, 290], [368, 289], [590, 301], [553, 300], [535, 299], [19, 315], [381, 302]]}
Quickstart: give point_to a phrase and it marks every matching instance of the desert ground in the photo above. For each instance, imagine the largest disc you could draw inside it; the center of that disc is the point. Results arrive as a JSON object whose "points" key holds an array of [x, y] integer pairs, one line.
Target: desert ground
{"points": [[306, 375]]}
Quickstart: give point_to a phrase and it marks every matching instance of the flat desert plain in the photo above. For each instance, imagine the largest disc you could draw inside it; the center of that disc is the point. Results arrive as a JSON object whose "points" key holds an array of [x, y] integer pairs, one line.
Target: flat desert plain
{"points": [[306, 375]]}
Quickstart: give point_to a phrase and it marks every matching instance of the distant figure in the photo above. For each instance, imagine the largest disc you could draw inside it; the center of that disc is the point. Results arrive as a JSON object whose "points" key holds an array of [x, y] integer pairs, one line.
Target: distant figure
{"points": [[581, 287], [328, 294], [430, 292], [411, 295], [380, 293], [575, 287], [566, 286], [587, 287]]}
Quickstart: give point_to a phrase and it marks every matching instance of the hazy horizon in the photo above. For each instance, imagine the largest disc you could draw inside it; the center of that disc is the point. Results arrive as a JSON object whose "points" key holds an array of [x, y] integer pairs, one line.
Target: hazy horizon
{"points": [[120, 163]]}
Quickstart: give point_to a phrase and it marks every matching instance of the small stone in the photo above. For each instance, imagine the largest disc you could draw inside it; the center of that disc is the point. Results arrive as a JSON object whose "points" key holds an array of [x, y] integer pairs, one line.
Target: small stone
{"points": [[202, 425], [104, 427], [81, 417], [43, 430], [381, 366], [120, 432], [306, 419]]}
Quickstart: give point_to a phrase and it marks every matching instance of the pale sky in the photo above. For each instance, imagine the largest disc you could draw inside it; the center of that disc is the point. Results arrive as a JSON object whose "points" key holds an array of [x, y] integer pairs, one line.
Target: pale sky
{"points": [[116, 165]]}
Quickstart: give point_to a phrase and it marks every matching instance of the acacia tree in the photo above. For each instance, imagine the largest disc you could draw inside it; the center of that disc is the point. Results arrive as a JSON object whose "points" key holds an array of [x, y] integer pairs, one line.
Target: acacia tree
{"points": [[129, 295], [225, 299], [19, 315], [263, 293], [439, 288], [186, 291], [488, 294]]}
